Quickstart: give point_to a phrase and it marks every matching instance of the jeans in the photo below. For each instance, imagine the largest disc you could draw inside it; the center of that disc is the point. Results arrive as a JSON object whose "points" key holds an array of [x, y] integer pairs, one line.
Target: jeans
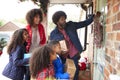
{"points": [[75, 59], [27, 75]]}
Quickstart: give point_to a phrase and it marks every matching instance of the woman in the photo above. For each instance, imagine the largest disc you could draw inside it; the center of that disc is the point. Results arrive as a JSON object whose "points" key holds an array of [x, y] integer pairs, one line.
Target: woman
{"points": [[35, 29], [36, 32]]}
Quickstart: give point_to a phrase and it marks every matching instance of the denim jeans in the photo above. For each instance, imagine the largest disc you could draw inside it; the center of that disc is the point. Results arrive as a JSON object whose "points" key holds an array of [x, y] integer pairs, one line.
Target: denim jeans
{"points": [[75, 59], [27, 75]]}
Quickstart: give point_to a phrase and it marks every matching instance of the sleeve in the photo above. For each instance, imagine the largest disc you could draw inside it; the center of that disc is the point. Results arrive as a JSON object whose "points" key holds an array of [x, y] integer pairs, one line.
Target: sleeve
{"points": [[54, 35], [18, 57], [63, 75], [43, 75], [59, 73], [85, 23], [58, 66]]}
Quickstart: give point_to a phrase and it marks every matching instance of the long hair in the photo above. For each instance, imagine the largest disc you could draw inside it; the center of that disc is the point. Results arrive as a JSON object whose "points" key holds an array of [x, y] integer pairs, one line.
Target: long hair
{"points": [[40, 59], [16, 39], [31, 14]]}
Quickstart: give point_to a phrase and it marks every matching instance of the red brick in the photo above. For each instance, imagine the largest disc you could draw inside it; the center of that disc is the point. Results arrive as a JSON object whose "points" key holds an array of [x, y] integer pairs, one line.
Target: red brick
{"points": [[106, 72], [114, 19], [112, 53], [108, 15], [114, 2], [107, 58], [109, 1], [110, 68], [109, 5], [118, 66], [109, 44], [108, 28], [118, 37], [111, 36], [105, 78], [116, 27], [113, 62], [106, 50], [108, 20], [114, 71], [117, 46], [118, 16], [118, 57], [114, 36], [116, 8]]}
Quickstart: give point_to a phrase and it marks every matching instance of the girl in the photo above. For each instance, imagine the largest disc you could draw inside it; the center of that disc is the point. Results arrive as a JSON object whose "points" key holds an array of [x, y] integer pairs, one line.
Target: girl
{"points": [[41, 63], [58, 64], [15, 68]]}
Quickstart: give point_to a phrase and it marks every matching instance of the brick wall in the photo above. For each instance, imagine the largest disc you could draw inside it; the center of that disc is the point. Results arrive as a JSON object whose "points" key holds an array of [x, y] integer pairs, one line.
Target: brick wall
{"points": [[112, 56]]}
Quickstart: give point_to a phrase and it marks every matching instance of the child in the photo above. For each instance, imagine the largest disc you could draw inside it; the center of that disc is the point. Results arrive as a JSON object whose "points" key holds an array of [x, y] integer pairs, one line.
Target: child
{"points": [[58, 65], [41, 66], [15, 69]]}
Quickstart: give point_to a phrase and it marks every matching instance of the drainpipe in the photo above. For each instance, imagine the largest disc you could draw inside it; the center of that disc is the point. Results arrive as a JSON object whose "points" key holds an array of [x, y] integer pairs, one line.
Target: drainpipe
{"points": [[85, 39], [86, 31]]}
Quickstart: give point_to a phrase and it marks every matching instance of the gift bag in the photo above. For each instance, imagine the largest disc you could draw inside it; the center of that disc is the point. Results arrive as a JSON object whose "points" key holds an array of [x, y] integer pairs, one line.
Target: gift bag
{"points": [[70, 67], [63, 45]]}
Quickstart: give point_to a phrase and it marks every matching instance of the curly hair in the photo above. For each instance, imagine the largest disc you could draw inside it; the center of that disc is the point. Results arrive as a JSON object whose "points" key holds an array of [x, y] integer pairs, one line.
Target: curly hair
{"points": [[52, 43], [40, 59], [31, 14], [56, 16], [17, 39]]}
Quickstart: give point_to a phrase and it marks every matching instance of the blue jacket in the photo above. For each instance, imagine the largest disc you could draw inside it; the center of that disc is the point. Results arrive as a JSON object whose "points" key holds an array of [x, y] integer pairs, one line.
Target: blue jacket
{"points": [[59, 69], [71, 31], [15, 69]]}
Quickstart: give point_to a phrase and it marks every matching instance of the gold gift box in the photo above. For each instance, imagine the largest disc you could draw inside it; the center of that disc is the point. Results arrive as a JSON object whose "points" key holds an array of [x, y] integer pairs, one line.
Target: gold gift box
{"points": [[70, 67]]}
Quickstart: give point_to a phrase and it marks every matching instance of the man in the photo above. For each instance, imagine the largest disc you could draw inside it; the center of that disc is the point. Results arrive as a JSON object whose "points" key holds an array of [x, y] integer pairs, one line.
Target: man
{"points": [[68, 31]]}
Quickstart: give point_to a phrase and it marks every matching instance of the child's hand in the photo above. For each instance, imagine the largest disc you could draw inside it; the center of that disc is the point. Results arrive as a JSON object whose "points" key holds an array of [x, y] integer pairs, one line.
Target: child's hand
{"points": [[64, 54]]}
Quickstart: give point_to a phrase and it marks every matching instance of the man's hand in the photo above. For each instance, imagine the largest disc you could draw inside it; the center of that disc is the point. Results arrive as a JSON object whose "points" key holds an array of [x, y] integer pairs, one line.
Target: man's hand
{"points": [[98, 14]]}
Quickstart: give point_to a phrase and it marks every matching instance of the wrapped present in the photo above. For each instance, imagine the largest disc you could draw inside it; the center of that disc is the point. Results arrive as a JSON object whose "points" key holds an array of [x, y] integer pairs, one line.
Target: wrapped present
{"points": [[83, 63], [82, 66], [27, 55], [63, 45], [70, 67]]}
